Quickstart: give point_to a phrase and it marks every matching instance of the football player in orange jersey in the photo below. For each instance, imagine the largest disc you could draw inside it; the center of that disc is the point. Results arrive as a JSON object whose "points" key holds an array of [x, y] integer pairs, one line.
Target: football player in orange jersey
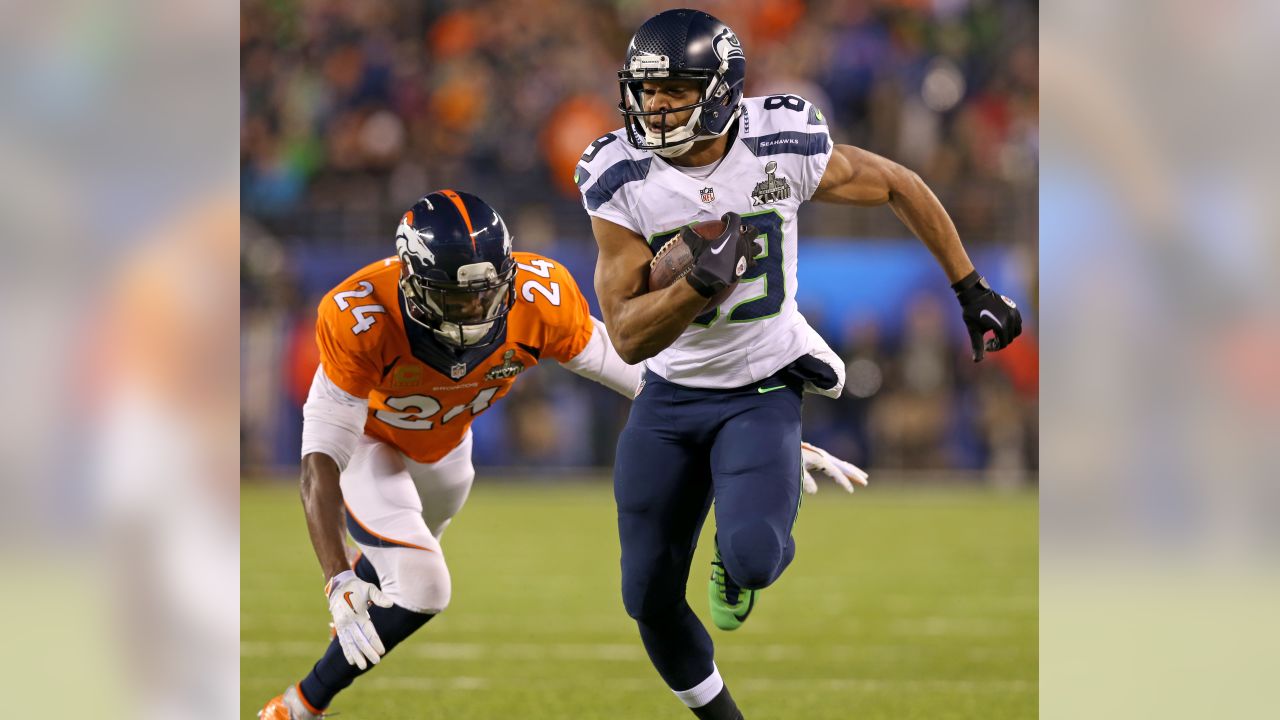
{"points": [[412, 348]]}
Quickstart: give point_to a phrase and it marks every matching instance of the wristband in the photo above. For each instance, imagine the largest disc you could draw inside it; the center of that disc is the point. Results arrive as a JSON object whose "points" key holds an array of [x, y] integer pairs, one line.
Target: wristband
{"points": [[970, 286], [699, 286]]}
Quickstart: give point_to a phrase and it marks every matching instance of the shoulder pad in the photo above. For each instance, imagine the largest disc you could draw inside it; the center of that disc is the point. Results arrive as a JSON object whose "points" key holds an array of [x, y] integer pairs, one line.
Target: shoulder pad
{"points": [[784, 124], [609, 149], [361, 308], [609, 163], [775, 113], [535, 271], [550, 313]]}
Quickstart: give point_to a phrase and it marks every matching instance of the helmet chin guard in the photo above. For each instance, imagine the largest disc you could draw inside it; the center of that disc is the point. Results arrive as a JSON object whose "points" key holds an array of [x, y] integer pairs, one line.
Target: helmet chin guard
{"points": [[462, 335]]}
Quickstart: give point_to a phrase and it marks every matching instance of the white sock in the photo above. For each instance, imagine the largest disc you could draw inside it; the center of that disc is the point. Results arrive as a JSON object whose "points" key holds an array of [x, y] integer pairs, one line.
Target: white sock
{"points": [[704, 692]]}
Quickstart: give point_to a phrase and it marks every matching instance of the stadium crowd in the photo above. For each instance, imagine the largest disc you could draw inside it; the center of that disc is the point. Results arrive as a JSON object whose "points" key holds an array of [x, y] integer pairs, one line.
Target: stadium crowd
{"points": [[350, 111]]}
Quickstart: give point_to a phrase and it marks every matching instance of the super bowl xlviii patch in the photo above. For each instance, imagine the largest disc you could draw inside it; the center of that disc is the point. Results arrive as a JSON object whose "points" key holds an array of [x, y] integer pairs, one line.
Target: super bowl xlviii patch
{"points": [[458, 371], [771, 189], [510, 367]]}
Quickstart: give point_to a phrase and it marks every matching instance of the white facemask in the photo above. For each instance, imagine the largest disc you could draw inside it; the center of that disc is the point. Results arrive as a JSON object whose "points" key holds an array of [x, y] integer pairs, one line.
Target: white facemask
{"points": [[684, 132]]}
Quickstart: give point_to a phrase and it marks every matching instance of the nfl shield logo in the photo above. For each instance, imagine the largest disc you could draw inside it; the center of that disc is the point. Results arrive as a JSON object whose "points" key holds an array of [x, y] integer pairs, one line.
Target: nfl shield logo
{"points": [[458, 370], [708, 194]]}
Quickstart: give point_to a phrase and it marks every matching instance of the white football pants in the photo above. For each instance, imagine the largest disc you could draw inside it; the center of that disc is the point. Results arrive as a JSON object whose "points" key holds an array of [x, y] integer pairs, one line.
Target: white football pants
{"points": [[397, 510]]}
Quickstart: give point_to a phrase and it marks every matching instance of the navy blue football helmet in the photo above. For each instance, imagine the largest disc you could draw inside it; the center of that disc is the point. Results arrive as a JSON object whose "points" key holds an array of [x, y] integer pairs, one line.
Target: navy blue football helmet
{"points": [[689, 45], [456, 269]]}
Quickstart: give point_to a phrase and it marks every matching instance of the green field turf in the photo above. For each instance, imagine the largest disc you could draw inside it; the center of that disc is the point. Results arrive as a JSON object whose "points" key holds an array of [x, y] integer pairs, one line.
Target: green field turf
{"points": [[901, 603]]}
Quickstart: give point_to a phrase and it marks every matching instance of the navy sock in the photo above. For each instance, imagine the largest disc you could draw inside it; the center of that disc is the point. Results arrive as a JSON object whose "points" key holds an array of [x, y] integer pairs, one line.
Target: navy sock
{"points": [[721, 707], [332, 673]]}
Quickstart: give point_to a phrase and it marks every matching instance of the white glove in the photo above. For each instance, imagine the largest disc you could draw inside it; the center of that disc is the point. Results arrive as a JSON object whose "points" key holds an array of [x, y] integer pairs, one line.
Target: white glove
{"points": [[818, 460], [349, 599]]}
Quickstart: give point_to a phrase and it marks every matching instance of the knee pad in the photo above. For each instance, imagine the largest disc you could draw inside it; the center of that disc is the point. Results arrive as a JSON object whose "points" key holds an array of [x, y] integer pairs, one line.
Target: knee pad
{"points": [[636, 600], [416, 580], [650, 601], [753, 556]]}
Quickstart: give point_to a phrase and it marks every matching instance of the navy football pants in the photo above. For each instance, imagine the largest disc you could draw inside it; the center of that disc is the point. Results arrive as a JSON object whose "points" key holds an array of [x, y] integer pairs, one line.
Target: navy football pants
{"points": [[681, 448]]}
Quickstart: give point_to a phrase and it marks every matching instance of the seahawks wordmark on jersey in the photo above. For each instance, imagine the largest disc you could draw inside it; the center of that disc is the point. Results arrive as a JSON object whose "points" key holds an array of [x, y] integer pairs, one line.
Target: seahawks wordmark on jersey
{"points": [[774, 163]]}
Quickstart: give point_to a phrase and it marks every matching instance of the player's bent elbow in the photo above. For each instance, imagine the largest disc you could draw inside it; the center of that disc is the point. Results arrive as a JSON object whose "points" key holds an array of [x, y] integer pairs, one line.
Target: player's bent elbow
{"points": [[634, 351], [631, 354], [904, 180], [628, 347]]}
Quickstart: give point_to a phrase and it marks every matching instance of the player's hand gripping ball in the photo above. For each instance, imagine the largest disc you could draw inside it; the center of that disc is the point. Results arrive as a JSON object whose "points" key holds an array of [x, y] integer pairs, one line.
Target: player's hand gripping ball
{"points": [[712, 255]]}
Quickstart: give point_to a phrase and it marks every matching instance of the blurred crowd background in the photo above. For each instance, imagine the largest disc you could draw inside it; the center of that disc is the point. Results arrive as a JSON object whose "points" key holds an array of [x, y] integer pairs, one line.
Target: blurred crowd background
{"points": [[350, 111], [1160, 400]]}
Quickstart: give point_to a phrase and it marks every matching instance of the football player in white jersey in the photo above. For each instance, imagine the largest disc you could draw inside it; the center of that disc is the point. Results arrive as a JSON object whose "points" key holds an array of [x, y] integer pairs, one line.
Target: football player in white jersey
{"points": [[719, 413]]}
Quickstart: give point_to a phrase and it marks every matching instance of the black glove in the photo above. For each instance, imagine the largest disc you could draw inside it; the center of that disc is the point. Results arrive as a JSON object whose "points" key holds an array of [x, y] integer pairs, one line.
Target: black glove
{"points": [[720, 262], [984, 310]]}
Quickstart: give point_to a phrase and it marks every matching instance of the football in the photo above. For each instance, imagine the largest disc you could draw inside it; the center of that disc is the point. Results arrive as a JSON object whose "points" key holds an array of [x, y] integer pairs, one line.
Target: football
{"points": [[675, 259]]}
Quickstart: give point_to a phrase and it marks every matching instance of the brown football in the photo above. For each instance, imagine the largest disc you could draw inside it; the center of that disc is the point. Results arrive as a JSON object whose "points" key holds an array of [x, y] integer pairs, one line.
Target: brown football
{"points": [[675, 259]]}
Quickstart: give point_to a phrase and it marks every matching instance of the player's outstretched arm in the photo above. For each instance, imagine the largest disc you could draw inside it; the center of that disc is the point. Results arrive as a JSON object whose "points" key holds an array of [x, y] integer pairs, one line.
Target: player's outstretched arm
{"points": [[332, 422], [641, 323], [599, 361], [857, 177], [322, 504], [349, 596]]}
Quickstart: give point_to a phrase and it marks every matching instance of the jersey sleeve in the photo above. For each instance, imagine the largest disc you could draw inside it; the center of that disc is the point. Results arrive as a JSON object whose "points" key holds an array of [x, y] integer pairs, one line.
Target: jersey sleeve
{"points": [[602, 176], [793, 132], [818, 148], [561, 309], [346, 361]]}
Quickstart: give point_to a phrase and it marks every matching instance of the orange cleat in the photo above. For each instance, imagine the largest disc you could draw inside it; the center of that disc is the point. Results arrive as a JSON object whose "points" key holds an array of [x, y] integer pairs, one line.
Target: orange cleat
{"points": [[275, 710], [289, 705]]}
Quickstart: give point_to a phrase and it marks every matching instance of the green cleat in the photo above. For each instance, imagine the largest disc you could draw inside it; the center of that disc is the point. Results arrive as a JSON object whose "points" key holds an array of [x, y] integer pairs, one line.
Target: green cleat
{"points": [[730, 604]]}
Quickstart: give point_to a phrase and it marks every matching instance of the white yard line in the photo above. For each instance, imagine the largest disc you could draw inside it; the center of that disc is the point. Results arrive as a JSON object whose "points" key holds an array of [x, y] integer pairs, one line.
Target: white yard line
{"points": [[417, 683], [634, 652]]}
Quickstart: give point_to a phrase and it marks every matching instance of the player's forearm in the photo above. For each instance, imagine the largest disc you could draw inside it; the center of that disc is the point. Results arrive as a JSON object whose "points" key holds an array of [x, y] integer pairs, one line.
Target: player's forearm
{"points": [[918, 208], [647, 324], [599, 361], [322, 504]]}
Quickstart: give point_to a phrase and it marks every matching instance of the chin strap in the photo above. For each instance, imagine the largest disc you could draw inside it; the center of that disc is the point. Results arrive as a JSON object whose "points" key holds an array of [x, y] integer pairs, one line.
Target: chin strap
{"points": [[459, 339]]}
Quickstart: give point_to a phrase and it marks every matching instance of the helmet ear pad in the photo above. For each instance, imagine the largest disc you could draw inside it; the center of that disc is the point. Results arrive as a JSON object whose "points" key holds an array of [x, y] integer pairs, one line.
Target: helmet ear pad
{"points": [[724, 103]]}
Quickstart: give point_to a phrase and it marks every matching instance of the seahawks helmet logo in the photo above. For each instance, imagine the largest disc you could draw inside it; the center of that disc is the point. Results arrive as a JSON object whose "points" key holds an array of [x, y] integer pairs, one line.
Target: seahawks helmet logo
{"points": [[726, 46]]}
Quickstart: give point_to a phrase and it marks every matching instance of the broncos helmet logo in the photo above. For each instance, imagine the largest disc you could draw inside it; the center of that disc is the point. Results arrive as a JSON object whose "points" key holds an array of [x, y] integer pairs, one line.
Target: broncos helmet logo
{"points": [[409, 242]]}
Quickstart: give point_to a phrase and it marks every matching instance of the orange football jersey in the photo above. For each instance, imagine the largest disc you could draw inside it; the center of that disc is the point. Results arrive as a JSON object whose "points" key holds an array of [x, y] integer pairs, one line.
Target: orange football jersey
{"points": [[423, 403]]}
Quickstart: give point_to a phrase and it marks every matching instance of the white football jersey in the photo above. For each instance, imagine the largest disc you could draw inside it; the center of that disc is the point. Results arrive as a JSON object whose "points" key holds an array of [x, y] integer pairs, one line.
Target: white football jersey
{"points": [[774, 164]]}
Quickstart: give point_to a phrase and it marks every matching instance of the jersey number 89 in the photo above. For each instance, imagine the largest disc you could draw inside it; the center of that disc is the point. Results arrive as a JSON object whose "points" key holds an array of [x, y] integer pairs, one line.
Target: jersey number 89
{"points": [[768, 276]]}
